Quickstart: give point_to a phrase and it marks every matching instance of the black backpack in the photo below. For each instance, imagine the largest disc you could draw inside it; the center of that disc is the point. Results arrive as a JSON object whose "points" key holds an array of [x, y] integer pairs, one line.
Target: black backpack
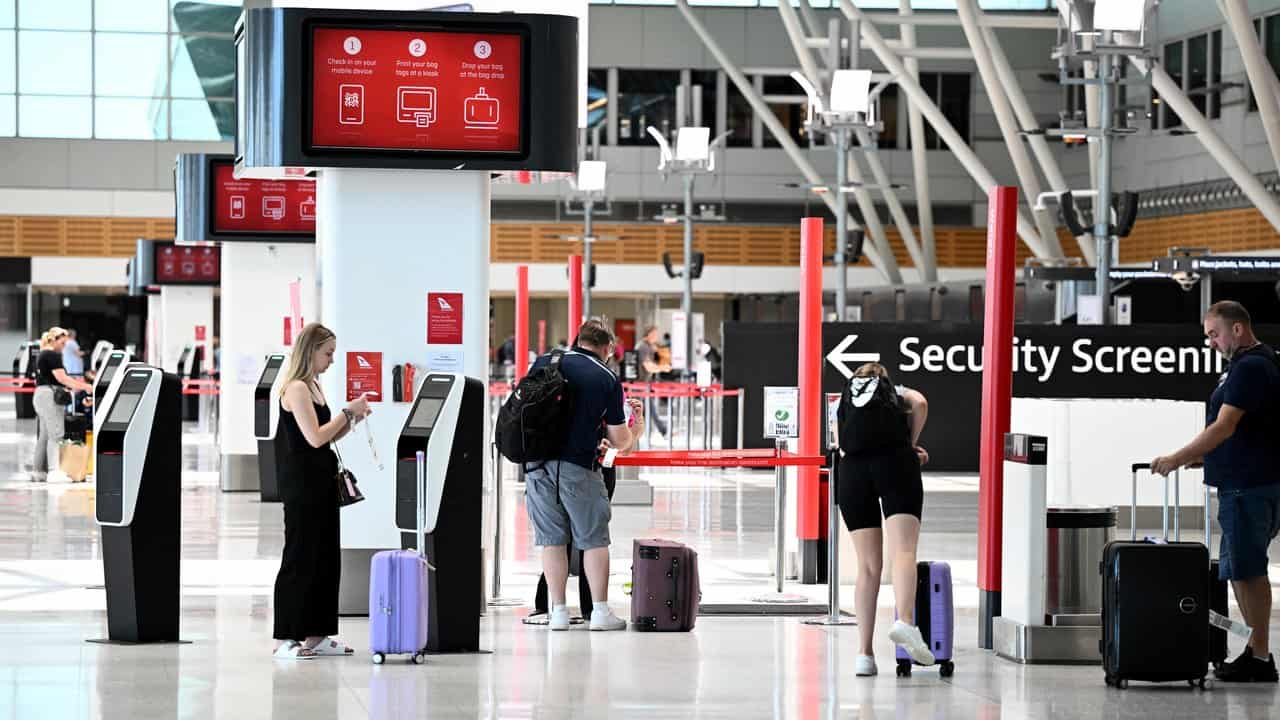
{"points": [[872, 417], [534, 422]]}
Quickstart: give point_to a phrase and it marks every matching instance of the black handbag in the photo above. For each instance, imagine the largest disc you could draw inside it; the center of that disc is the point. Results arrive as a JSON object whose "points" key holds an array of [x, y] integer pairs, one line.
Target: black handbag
{"points": [[348, 491], [61, 395]]}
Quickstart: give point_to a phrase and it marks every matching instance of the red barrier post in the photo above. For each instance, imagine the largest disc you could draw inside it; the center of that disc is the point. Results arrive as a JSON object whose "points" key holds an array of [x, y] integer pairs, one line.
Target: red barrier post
{"points": [[809, 500], [997, 392], [522, 321], [575, 296]]}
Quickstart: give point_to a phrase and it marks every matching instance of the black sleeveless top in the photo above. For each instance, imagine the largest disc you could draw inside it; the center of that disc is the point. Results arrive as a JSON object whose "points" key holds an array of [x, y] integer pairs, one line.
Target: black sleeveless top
{"points": [[306, 474]]}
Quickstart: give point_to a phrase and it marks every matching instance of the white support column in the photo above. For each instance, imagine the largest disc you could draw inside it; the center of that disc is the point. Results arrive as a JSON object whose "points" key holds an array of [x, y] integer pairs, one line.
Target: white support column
{"points": [[919, 156], [1027, 119], [182, 309], [961, 149], [896, 211], [1173, 96], [1027, 177], [1261, 76]]}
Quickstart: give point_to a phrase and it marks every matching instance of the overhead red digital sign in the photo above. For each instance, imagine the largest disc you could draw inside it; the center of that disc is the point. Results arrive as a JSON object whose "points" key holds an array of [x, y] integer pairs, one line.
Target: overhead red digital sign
{"points": [[188, 265], [411, 90], [262, 207]]}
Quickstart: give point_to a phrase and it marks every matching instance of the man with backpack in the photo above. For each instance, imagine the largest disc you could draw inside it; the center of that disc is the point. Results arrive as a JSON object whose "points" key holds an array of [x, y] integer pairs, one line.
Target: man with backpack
{"points": [[553, 425], [1241, 454]]}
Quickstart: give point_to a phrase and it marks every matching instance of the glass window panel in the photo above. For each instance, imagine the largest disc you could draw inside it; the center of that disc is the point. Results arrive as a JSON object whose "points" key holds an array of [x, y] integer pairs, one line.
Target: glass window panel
{"points": [[202, 120], [57, 117], [1271, 40], [1198, 71], [6, 13], [1173, 66], [646, 98], [888, 116], [8, 56], [131, 15], [953, 101], [1257, 30], [704, 82], [203, 67], [130, 119], [8, 117], [56, 14], [790, 115], [740, 118], [129, 64], [55, 63], [597, 97], [929, 83], [1215, 74], [214, 16]]}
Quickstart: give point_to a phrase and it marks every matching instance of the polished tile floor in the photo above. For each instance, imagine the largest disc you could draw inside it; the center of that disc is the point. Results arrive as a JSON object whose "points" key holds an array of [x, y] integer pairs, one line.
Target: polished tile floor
{"points": [[51, 602]]}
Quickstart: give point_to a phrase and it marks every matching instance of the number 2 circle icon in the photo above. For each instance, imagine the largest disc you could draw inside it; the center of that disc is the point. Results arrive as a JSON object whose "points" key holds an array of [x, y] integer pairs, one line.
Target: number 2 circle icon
{"points": [[417, 47], [483, 50], [351, 45]]}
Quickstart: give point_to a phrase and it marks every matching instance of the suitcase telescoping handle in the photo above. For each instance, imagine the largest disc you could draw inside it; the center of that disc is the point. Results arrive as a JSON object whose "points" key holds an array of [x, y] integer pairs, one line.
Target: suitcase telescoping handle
{"points": [[1164, 518], [421, 459]]}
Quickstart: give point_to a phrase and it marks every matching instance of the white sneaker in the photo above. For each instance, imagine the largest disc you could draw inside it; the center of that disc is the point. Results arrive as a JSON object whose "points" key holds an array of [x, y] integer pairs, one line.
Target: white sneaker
{"points": [[606, 620], [864, 666], [558, 618], [909, 637], [58, 476]]}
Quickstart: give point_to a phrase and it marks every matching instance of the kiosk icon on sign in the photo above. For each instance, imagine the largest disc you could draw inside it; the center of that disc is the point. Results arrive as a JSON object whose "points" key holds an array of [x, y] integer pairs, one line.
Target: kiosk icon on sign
{"points": [[307, 209], [273, 207], [416, 106], [481, 111], [351, 104], [237, 207]]}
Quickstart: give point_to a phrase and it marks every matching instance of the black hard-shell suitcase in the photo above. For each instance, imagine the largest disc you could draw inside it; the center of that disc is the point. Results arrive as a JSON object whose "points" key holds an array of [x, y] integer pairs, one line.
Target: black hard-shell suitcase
{"points": [[1155, 607]]}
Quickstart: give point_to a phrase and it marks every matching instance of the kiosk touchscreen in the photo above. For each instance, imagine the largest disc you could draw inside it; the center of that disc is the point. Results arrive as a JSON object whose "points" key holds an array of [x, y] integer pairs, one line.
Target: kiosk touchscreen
{"points": [[446, 423], [106, 375], [139, 471], [101, 351], [266, 416], [24, 365]]}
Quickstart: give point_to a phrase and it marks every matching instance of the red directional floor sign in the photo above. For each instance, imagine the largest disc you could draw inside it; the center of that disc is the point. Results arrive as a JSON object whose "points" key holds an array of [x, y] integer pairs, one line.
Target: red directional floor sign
{"points": [[364, 375]]}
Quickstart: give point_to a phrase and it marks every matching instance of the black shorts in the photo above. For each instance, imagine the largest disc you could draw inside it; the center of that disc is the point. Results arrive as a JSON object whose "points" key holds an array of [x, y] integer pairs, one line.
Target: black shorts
{"points": [[888, 482]]}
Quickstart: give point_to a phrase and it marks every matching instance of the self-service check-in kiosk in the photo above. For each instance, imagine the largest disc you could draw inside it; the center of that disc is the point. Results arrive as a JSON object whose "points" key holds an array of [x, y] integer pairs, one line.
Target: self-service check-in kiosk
{"points": [[101, 351], [190, 367], [266, 416], [446, 422], [106, 374], [139, 471], [24, 365]]}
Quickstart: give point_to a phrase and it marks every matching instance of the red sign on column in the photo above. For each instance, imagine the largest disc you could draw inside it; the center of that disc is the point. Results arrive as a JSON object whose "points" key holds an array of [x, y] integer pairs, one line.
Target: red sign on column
{"points": [[200, 333], [364, 375], [444, 318], [288, 330]]}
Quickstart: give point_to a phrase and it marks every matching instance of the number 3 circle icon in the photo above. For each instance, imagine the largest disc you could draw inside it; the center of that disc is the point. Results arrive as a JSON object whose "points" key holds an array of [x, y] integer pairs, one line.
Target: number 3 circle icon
{"points": [[483, 50]]}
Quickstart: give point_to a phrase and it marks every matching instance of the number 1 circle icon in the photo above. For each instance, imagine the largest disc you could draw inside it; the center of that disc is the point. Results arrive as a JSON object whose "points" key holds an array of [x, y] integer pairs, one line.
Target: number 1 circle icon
{"points": [[417, 47], [352, 45]]}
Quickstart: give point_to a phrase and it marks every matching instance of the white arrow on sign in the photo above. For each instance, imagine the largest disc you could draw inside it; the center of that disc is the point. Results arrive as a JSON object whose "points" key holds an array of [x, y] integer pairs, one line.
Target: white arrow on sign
{"points": [[838, 357]]}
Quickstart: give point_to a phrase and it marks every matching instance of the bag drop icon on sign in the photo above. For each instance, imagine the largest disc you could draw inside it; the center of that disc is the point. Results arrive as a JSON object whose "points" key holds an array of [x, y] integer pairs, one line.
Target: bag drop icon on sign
{"points": [[481, 111]]}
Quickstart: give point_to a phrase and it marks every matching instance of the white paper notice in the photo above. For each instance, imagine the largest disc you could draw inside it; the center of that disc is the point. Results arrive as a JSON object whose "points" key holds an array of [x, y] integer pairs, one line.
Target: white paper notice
{"points": [[444, 361], [248, 368]]}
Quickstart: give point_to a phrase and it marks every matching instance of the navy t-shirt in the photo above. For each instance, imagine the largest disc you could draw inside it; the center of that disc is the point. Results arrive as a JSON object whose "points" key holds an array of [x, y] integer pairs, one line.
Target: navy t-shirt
{"points": [[1251, 456], [597, 401]]}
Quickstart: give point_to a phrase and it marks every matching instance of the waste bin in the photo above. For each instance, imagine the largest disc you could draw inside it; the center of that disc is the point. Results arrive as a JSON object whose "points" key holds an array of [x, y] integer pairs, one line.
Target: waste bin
{"points": [[1077, 536]]}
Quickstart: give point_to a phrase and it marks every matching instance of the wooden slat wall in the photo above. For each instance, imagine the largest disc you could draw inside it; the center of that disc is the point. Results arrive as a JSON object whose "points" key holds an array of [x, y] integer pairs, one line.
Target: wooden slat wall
{"points": [[622, 243]]}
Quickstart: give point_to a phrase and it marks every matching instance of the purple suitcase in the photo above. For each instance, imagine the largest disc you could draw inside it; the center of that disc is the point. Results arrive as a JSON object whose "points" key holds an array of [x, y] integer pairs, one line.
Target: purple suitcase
{"points": [[398, 597], [665, 591], [935, 616]]}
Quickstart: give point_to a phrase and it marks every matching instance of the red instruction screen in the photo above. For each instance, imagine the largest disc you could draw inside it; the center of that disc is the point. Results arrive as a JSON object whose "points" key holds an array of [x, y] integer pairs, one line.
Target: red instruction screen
{"points": [[182, 264], [262, 206], [411, 90]]}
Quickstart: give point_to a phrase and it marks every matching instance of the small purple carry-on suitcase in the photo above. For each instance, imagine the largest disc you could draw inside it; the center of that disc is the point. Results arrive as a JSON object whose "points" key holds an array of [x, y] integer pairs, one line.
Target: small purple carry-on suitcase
{"points": [[665, 590], [398, 597], [935, 616]]}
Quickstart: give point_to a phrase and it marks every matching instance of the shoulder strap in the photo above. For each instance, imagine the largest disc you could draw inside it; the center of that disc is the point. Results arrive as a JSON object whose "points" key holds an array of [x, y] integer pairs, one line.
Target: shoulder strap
{"points": [[556, 356]]}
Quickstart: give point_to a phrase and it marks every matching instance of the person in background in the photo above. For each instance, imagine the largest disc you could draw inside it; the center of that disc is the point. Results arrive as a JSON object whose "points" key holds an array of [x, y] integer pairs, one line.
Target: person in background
{"points": [[306, 588], [51, 414], [1241, 454], [72, 356], [884, 479], [649, 369]]}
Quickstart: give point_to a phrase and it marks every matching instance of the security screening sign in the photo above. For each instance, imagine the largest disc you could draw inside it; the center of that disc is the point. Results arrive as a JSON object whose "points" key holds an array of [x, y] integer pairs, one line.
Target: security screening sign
{"points": [[944, 361]]}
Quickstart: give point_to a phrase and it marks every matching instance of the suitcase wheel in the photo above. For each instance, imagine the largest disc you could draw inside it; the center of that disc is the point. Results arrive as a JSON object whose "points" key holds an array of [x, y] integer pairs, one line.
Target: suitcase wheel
{"points": [[904, 668], [419, 658], [379, 658], [1202, 683], [946, 668]]}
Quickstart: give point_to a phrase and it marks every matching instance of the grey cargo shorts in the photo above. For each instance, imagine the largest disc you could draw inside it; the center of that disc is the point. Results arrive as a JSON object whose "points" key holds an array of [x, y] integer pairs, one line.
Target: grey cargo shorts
{"points": [[581, 512]]}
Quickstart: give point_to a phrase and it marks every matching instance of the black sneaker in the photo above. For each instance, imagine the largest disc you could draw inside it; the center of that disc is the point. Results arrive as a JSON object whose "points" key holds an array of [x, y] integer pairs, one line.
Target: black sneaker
{"points": [[1248, 668]]}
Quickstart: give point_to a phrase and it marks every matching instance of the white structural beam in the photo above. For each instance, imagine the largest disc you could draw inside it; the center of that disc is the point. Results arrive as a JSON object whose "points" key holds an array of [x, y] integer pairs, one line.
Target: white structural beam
{"points": [[1027, 119], [888, 266], [896, 211], [929, 53], [813, 27], [942, 19], [1249, 184], [1018, 153], [1261, 76], [796, 34], [919, 156], [972, 164]]}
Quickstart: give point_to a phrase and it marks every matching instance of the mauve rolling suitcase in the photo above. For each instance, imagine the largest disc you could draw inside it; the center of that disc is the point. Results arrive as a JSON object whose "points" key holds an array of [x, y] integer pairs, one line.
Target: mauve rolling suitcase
{"points": [[935, 616], [398, 597], [665, 591], [1155, 606]]}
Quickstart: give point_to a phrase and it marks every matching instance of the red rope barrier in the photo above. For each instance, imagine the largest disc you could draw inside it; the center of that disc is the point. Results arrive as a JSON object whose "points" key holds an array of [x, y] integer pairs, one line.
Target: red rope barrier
{"points": [[758, 458]]}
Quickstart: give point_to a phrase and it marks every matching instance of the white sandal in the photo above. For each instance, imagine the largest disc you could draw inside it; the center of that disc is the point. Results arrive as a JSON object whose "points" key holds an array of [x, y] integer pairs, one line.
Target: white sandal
{"points": [[332, 648], [293, 650]]}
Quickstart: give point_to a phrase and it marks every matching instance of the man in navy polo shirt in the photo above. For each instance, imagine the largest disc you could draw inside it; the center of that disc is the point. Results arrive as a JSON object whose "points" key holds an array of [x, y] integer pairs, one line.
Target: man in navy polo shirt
{"points": [[567, 499], [1240, 448]]}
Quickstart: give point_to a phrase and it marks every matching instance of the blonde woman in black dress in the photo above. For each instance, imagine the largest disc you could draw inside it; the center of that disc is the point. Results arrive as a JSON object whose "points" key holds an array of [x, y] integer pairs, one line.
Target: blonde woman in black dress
{"points": [[306, 590]]}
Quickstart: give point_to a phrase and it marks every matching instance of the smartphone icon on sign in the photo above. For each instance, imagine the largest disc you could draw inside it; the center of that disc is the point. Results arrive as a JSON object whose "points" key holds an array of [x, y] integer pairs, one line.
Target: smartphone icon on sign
{"points": [[351, 104]]}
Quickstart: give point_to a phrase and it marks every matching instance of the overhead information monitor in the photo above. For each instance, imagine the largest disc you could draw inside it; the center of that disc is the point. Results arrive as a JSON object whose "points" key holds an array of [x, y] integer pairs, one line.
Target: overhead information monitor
{"points": [[417, 90], [260, 207], [185, 265]]}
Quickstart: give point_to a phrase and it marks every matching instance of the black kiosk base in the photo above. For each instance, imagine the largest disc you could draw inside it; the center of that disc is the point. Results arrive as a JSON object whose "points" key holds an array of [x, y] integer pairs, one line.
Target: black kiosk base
{"points": [[447, 424], [139, 510]]}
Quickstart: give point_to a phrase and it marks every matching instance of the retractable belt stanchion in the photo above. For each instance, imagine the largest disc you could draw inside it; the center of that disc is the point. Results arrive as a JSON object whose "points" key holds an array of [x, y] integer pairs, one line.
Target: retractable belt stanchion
{"points": [[834, 615], [779, 520], [497, 600]]}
